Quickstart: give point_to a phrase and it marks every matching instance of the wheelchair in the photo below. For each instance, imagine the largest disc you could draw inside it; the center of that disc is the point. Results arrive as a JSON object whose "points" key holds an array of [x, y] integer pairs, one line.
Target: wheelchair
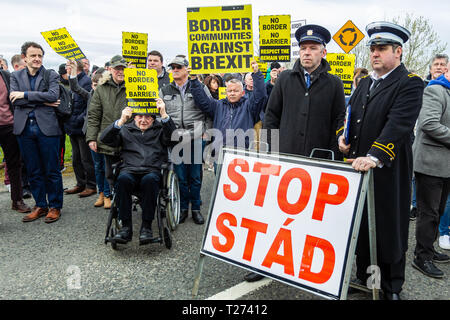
{"points": [[167, 211]]}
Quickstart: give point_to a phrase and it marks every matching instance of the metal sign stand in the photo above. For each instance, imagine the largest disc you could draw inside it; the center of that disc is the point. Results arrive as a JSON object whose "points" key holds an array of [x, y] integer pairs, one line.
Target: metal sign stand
{"points": [[367, 194]]}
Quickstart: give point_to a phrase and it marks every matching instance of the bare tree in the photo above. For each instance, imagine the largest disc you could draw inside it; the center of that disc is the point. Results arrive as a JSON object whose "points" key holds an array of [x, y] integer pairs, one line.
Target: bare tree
{"points": [[418, 51], [423, 44]]}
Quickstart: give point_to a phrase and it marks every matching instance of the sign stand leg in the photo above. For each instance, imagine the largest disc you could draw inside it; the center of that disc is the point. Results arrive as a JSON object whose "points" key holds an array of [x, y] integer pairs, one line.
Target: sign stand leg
{"points": [[370, 198], [198, 274], [372, 232]]}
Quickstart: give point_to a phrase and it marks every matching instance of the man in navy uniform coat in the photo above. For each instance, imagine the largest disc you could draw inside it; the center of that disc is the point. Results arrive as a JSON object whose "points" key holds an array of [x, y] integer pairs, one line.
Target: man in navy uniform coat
{"points": [[385, 107]]}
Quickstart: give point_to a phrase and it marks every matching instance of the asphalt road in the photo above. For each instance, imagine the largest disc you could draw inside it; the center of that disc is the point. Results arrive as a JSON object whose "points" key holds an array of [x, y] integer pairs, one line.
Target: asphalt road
{"points": [[68, 260]]}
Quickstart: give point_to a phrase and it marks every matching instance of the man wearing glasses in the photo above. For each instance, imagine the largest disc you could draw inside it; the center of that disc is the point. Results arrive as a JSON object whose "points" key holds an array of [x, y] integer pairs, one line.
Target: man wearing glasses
{"points": [[191, 124]]}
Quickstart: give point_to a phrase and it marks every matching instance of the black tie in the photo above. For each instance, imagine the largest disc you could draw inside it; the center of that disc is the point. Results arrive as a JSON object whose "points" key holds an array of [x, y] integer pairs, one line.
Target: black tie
{"points": [[374, 86]]}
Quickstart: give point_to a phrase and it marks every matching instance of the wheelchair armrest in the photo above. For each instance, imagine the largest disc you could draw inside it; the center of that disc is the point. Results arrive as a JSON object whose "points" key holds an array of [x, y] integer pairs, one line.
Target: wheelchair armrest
{"points": [[115, 167]]}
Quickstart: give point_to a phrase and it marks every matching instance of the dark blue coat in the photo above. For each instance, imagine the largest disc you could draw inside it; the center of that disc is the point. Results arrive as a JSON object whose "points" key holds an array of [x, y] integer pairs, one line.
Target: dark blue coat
{"points": [[74, 125], [241, 115]]}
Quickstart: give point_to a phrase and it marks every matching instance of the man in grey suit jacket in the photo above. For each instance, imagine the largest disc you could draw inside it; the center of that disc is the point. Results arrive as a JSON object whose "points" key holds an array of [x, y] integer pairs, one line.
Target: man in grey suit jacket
{"points": [[38, 132], [431, 152]]}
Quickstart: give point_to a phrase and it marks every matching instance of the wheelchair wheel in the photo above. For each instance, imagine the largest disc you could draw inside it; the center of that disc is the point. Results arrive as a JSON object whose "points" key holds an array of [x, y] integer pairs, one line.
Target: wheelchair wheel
{"points": [[113, 226], [173, 200], [167, 238]]}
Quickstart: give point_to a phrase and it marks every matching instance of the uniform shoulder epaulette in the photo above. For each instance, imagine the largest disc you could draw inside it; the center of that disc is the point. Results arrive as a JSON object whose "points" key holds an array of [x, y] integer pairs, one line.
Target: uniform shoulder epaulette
{"points": [[414, 75], [364, 77]]}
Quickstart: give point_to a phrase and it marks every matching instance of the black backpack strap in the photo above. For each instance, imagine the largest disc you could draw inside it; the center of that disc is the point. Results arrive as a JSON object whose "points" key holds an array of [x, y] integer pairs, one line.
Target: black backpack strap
{"points": [[46, 79]]}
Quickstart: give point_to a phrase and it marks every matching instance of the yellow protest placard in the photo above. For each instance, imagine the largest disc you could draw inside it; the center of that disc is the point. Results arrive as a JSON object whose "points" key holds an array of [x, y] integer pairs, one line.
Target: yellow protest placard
{"points": [[262, 66], [275, 38], [134, 48], [141, 87], [343, 65], [220, 39], [222, 93], [63, 44]]}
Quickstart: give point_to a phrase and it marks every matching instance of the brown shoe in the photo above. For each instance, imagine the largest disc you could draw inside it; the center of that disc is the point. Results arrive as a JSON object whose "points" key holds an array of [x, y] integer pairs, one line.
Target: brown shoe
{"points": [[20, 206], [87, 193], [53, 215], [100, 200], [74, 190], [36, 214], [107, 203]]}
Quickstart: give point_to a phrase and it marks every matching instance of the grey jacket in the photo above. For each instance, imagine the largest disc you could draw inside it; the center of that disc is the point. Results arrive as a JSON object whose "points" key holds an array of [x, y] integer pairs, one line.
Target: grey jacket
{"points": [[183, 111], [45, 115], [431, 148]]}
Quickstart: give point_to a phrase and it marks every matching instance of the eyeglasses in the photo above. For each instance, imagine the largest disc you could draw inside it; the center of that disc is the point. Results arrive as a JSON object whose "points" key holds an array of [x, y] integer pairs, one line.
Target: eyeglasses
{"points": [[175, 67]]}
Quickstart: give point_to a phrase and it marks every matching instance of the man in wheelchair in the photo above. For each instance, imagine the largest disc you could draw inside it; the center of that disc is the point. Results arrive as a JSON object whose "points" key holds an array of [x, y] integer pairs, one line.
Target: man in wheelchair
{"points": [[143, 143]]}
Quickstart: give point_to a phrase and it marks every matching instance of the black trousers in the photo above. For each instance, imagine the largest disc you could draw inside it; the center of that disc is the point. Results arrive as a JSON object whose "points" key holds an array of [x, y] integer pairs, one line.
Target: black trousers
{"points": [[83, 165], [148, 186], [392, 274], [10, 146], [431, 198]]}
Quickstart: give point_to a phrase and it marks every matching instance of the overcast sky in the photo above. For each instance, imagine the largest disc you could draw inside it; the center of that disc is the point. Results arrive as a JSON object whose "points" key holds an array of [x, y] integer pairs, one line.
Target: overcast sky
{"points": [[97, 25]]}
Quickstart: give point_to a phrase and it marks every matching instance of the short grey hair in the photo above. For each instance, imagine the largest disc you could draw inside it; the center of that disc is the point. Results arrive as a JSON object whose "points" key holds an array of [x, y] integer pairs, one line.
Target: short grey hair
{"points": [[237, 81], [439, 56]]}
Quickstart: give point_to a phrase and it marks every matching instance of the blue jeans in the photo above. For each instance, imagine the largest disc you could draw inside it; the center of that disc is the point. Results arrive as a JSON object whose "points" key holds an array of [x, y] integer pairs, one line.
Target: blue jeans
{"points": [[42, 159], [190, 179], [445, 220], [100, 177], [413, 201]]}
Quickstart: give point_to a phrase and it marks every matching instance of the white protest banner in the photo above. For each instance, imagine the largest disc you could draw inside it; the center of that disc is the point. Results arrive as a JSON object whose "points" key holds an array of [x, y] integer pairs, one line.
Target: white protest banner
{"points": [[295, 54], [289, 218]]}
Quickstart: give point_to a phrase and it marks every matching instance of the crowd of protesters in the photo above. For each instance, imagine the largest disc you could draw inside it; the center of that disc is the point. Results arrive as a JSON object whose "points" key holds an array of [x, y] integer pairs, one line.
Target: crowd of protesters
{"points": [[306, 104]]}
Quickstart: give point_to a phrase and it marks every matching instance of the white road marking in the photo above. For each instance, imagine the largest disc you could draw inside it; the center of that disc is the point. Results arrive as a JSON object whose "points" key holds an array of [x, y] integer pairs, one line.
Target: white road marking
{"points": [[240, 290]]}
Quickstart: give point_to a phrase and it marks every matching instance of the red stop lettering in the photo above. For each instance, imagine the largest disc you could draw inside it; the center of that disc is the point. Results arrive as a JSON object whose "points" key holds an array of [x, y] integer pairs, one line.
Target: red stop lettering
{"points": [[266, 170], [308, 253], [305, 193], [236, 178], [323, 197], [287, 260], [253, 228], [225, 231]]}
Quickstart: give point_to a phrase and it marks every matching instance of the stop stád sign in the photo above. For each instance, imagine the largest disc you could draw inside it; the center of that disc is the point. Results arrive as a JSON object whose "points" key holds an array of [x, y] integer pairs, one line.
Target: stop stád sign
{"points": [[288, 218]]}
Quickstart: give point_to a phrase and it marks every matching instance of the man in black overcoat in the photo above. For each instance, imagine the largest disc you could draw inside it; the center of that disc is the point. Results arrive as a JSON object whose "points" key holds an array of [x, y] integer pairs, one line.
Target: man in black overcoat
{"points": [[384, 109], [307, 103]]}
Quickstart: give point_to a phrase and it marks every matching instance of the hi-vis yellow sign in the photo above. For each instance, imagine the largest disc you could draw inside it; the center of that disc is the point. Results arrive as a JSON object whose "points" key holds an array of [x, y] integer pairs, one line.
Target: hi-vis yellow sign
{"points": [[262, 66], [220, 39], [275, 38], [61, 41], [222, 93], [134, 48], [343, 65], [141, 87], [348, 36]]}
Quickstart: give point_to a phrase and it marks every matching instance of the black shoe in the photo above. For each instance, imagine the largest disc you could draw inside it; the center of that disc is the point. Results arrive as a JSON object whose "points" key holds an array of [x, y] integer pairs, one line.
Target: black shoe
{"points": [[390, 296], [26, 193], [146, 236], [413, 214], [440, 257], [427, 268], [183, 215], [252, 277], [123, 236], [197, 217], [352, 290]]}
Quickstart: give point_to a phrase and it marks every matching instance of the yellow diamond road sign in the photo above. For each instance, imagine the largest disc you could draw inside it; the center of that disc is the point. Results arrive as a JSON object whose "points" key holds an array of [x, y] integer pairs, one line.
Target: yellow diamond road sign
{"points": [[348, 36]]}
